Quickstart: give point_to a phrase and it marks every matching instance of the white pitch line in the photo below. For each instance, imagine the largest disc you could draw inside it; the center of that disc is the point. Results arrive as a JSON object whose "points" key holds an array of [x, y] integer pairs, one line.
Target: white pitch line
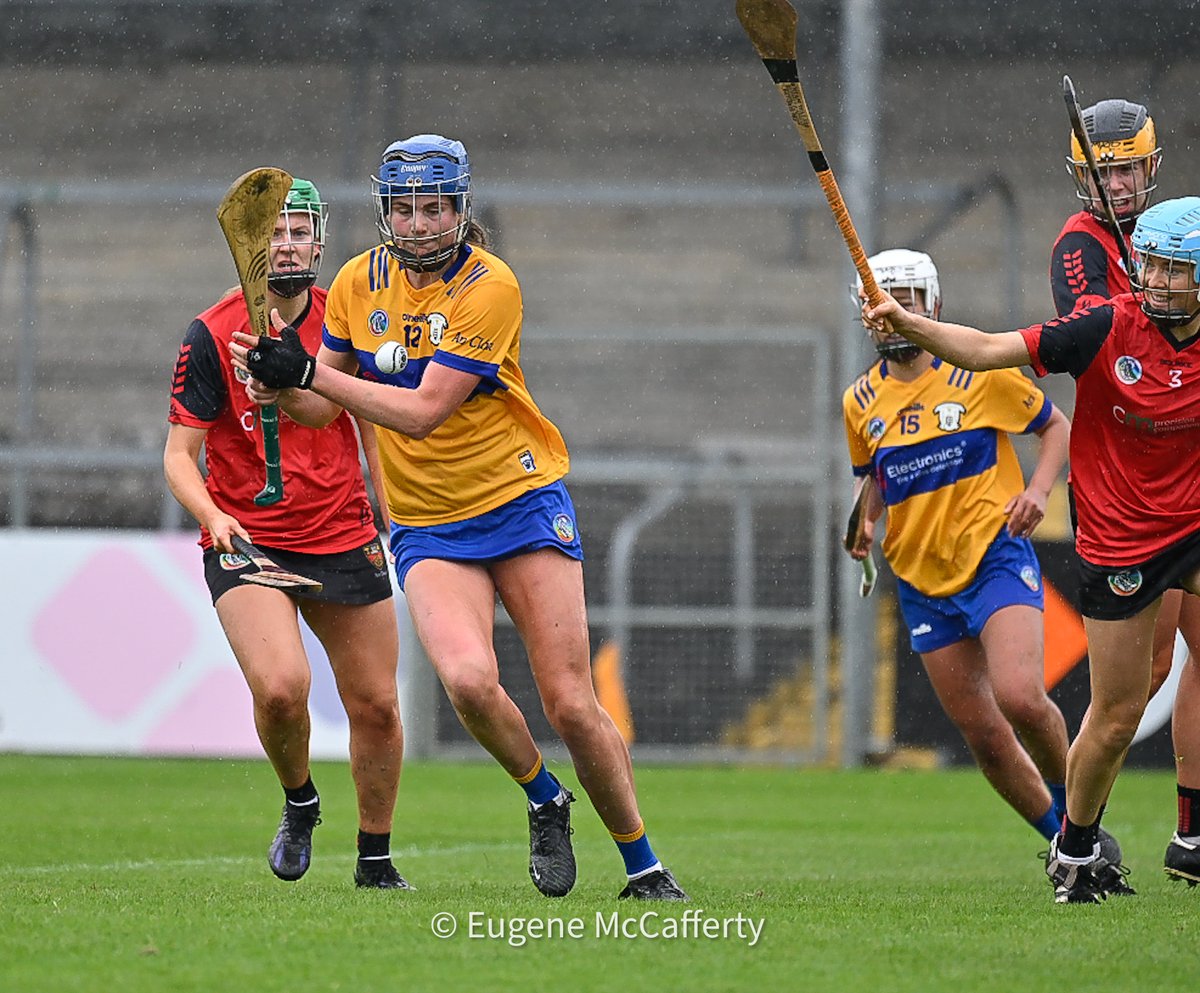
{"points": [[232, 861]]}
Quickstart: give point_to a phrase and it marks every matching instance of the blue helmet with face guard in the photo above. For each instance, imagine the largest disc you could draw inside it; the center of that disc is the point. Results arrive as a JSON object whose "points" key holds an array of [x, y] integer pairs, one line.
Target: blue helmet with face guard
{"points": [[425, 165], [1166, 239]]}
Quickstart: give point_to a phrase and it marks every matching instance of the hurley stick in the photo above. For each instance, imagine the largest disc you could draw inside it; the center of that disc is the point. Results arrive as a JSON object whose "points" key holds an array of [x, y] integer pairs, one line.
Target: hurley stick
{"points": [[771, 25], [247, 215]]}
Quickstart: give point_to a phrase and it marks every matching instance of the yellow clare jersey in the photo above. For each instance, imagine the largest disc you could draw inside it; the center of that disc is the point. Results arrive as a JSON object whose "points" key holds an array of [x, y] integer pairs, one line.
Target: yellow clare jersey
{"points": [[939, 450], [496, 445]]}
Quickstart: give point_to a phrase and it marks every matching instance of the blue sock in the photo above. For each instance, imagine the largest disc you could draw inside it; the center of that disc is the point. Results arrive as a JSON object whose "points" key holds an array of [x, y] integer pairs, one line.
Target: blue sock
{"points": [[636, 851], [1058, 793], [539, 785], [1048, 824]]}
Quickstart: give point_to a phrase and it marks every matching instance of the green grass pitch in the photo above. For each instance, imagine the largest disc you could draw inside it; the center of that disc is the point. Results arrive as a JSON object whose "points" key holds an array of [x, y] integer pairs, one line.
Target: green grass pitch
{"points": [[145, 875]]}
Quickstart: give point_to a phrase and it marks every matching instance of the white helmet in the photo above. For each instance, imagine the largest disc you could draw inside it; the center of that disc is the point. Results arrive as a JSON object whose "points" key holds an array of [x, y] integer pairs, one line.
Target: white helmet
{"points": [[901, 267]]}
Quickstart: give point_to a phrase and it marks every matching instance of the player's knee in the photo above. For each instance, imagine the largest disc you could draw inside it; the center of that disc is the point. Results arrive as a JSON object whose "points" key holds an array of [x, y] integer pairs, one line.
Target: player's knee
{"points": [[1113, 726], [471, 690], [282, 699], [376, 716], [573, 716]]}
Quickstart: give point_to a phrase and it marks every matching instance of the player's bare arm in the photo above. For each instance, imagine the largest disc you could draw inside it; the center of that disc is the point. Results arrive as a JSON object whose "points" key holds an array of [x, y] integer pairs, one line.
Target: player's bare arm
{"points": [[963, 346], [1027, 509], [283, 363], [181, 458]]}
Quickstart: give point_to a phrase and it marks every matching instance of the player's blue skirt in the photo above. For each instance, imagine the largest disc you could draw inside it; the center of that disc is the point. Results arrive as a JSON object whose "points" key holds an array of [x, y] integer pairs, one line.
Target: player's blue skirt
{"points": [[541, 518]]}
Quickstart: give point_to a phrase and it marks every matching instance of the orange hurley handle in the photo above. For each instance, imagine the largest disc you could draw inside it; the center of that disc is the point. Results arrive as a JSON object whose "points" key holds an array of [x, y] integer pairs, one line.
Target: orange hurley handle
{"points": [[787, 81]]}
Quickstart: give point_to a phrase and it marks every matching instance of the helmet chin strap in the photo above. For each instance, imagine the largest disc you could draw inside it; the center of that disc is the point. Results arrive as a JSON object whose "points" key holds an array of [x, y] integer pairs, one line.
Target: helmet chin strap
{"points": [[292, 283], [898, 351]]}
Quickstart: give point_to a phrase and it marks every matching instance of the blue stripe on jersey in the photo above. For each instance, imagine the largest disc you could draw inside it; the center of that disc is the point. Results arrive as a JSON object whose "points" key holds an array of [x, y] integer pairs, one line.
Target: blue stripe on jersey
{"points": [[961, 378], [333, 343], [864, 392], [377, 269], [1043, 416], [409, 377], [460, 260], [909, 470], [479, 271], [488, 372]]}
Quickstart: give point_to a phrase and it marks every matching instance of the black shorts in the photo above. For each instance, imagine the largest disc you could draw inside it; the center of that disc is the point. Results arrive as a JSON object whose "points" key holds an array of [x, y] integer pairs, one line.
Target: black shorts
{"points": [[357, 577], [1114, 593]]}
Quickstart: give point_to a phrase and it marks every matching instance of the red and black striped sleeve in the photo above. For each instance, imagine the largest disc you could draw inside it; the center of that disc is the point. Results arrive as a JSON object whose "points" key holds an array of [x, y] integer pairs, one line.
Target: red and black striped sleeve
{"points": [[198, 392], [1069, 344], [1078, 272]]}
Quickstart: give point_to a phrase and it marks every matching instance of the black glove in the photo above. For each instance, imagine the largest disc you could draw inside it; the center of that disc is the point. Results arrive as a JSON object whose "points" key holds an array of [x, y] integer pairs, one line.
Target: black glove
{"points": [[282, 363]]}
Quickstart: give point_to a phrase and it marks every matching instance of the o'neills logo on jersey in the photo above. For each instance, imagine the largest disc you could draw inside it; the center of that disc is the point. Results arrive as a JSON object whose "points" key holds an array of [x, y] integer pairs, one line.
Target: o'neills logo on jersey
{"points": [[1125, 583], [378, 323], [564, 527], [1128, 369]]}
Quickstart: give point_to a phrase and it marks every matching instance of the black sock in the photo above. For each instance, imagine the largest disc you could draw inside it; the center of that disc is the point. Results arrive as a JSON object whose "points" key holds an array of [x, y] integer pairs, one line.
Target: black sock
{"points": [[302, 795], [374, 846], [1189, 811], [1079, 840]]}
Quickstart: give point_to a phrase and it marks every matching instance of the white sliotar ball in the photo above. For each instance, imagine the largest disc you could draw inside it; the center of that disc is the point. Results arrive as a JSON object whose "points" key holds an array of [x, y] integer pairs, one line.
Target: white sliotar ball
{"points": [[392, 357]]}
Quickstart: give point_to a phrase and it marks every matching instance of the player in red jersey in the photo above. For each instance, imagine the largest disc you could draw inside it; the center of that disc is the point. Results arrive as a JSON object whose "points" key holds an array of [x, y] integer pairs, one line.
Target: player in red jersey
{"points": [[1134, 444], [324, 528], [1086, 268]]}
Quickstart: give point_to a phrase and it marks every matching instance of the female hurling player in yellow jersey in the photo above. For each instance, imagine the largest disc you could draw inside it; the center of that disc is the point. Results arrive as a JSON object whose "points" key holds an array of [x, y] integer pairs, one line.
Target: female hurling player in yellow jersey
{"points": [[933, 439], [422, 337]]}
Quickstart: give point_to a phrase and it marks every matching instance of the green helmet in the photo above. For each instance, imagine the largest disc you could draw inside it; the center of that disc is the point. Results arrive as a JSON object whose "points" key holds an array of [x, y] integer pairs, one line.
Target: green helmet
{"points": [[304, 198]]}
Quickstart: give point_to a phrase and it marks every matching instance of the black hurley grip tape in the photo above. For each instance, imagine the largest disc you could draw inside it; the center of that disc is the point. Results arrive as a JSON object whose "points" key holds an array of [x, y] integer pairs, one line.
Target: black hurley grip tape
{"points": [[782, 70], [818, 161]]}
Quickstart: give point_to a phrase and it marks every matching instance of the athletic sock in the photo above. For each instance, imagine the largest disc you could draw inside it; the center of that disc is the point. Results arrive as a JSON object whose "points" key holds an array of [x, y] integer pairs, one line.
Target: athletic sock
{"points": [[636, 852], [1047, 825], [1058, 794], [374, 846], [302, 796], [1189, 811], [539, 785], [1080, 841]]}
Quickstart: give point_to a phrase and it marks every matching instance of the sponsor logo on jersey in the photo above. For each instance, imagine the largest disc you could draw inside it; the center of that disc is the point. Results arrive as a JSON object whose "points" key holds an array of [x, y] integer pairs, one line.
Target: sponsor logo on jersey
{"points": [[374, 554], [949, 415], [1029, 577], [526, 460], [437, 328], [875, 428], [921, 629], [476, 341], [378, 323], [1125, 583], [564, 527], [232, 563], [1128, 369]]}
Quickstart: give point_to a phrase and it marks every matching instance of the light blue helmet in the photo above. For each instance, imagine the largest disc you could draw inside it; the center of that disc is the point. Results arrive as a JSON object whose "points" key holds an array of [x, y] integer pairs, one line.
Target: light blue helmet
{"points": [[423, 165], [1170, 232]]}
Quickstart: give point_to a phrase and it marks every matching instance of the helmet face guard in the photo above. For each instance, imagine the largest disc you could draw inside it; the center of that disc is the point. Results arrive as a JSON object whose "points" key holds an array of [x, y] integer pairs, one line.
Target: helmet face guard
{"points": [[303, 204], [420, 167], [1166, 262], [1123, 139], [903, 269]]}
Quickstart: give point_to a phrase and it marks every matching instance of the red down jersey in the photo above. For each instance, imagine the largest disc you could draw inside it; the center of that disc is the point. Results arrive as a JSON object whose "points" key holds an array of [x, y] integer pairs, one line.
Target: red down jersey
{"points": [[1086, 267], [1135, 437], [324, 507]]}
